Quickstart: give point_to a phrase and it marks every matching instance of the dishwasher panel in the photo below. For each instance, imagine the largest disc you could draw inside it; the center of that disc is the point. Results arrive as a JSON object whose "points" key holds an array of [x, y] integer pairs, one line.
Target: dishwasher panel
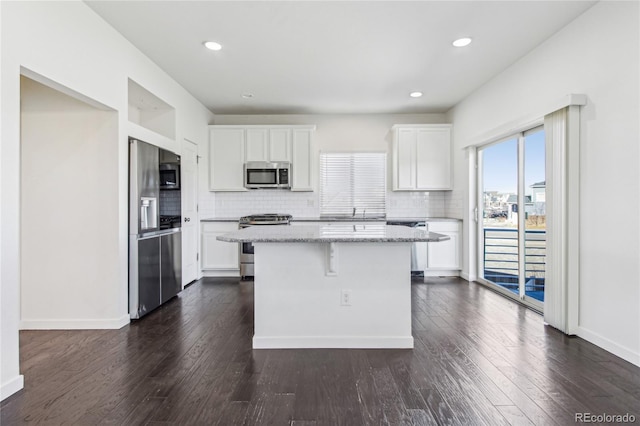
{"points": [[418, 249]]}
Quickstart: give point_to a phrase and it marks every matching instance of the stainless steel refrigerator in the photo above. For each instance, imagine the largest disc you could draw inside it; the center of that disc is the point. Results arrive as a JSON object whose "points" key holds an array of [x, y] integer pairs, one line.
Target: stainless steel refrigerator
{"points": [[155, 254]]}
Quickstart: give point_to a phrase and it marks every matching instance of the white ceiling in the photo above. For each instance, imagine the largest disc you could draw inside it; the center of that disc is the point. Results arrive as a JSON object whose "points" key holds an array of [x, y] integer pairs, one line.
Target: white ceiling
{"points": [[317, 57]]}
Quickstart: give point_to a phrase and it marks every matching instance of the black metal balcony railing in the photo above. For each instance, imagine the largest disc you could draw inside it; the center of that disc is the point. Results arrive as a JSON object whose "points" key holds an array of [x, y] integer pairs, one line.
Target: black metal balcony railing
{"points": [[501, 259]]}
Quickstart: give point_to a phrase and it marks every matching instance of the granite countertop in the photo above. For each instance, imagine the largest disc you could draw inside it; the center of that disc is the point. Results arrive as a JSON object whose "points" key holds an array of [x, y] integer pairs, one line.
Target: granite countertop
{"points": [[423, 219], [374, 233], [346, 219], [374, 219], [339, 219], [220, 219]]}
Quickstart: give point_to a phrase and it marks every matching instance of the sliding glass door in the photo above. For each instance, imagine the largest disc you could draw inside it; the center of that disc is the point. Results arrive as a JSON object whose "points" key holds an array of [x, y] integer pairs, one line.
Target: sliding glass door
{"points": [[511, 183]]}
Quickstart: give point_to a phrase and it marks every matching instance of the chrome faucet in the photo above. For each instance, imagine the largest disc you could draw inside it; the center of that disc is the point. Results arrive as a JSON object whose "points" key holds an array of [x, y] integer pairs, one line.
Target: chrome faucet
{"points": [[363, 212], [354, 212]]}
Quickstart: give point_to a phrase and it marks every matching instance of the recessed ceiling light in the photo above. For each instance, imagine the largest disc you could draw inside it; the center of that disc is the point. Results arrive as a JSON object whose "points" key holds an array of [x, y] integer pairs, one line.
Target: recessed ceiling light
{"points": [[247, 95], [415, 94], [212, 45], [461, 42]]}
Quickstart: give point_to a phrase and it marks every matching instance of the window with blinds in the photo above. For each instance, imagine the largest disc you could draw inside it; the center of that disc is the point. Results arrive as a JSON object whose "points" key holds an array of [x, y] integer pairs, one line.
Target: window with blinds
{"points": [[353, 180]]}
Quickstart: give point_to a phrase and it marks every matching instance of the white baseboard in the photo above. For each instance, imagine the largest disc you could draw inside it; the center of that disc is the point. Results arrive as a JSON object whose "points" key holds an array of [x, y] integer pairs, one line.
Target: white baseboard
{"points": [[610, 346], [12, 386], [466, 276], [232, 273], [75, 324], [333, 342], [442, 273]]}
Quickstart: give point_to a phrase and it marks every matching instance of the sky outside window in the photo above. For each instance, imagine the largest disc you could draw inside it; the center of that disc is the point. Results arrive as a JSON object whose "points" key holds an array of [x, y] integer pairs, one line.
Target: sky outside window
{"points": [[500, 163]]}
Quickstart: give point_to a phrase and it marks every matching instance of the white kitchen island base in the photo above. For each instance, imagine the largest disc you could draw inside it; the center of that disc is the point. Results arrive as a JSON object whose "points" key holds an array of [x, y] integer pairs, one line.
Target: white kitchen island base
{"points": [[332, 295]]}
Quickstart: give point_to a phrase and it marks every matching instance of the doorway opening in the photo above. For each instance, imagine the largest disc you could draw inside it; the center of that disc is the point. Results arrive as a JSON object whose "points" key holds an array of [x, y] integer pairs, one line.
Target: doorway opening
{"points": [[512, 226], [69, 211]]}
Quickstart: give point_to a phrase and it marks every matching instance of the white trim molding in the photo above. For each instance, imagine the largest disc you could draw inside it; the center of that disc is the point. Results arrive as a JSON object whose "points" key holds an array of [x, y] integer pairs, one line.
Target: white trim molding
{"points": [[609, 345], [12, 386], [333, 342], [75, 324], [563, 219], [527, 122]]}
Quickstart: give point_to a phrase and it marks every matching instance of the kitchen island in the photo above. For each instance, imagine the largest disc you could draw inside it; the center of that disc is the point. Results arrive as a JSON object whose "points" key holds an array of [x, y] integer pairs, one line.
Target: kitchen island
{"points": [[338, 286]]}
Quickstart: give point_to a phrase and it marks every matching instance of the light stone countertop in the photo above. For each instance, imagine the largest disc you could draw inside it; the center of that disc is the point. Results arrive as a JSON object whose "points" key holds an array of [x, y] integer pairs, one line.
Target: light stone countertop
{"points": [[345, 219], [373, 233], [339, 219]]}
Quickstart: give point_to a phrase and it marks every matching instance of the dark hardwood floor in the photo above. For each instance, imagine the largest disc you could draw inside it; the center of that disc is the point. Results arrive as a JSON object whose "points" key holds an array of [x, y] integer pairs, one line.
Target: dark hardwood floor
{"points": [[479, 359]]}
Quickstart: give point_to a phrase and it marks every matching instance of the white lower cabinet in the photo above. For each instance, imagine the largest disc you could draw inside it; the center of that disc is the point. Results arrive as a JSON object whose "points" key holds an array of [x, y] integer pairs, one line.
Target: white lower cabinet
{"points": [[443, 258], [219, 258]]}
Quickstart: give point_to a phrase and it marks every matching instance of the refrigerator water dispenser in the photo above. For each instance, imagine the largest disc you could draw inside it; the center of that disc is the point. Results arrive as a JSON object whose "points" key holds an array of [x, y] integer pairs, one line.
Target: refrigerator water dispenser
{"points": [[148, 213]]}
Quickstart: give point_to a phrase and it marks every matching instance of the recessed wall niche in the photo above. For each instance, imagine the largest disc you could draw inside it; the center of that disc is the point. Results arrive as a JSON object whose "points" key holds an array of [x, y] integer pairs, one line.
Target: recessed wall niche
{"points": [[151, 112]]}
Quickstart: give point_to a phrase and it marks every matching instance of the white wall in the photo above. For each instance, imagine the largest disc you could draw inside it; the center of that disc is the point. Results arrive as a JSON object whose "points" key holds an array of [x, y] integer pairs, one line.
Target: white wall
{"points": [[596, 55], [334, 133], [67, 45], [69, 162]]}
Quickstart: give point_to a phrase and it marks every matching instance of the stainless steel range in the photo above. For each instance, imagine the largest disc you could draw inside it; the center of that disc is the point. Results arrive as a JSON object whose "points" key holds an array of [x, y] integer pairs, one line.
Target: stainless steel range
{"points": [[246, 249]]}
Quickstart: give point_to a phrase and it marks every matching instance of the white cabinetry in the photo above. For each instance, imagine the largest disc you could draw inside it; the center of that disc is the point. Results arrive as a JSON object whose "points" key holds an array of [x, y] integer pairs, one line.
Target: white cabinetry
{"points": [[219, 258], [279, 145], [303, 160], [443, 258], [268, 144], [231, 146], [256, 144], [422, 157], [226, 158]]}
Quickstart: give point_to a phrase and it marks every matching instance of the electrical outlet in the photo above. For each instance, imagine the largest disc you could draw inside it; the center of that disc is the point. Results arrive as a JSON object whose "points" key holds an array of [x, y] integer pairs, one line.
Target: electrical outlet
{"points": [[311, 203], [345, 297]]}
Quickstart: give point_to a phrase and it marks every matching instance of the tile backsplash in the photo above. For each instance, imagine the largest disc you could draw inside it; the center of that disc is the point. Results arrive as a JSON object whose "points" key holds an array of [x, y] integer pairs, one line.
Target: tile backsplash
{"points": [[170, 203], [454, 204], [307, 204]]}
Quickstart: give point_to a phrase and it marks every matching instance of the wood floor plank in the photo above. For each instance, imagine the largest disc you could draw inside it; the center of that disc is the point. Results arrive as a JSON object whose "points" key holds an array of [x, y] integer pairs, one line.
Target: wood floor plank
{"points": [[269, 408], [479, 359], [514, 416], [393, 408], [439, 408]]}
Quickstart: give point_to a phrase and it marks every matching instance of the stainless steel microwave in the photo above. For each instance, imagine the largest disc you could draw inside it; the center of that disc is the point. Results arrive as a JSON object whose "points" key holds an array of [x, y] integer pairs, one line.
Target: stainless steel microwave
{"points": [[265, 174], [169, 176]]}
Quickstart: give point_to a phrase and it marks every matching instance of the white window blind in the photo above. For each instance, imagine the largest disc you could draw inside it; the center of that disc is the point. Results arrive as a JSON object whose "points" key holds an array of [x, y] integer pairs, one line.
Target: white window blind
{"points": [[353, 180]]}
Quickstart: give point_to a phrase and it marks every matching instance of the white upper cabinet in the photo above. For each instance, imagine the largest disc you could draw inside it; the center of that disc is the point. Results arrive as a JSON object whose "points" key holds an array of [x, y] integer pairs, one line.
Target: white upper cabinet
{"points": [[232, 146], [256, 145], [226, 158], [422, 157], [268, 144], [280, 145], [303, 160]]}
